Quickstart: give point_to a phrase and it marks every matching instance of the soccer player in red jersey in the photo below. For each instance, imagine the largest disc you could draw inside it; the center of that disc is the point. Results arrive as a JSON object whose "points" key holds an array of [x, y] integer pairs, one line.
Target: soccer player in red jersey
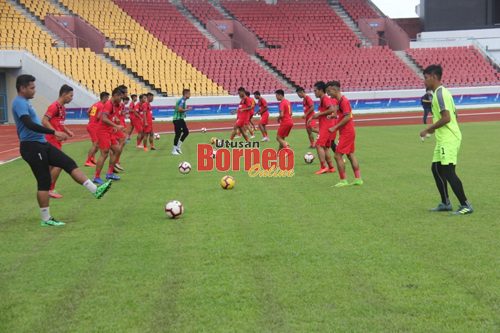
{"points": [[245, 106], [106, 130], [54, 119], [131, 115], [148, 122], [264, 115], [120, 135], [327, 107], [94, 114], [347, 134], [249, 123], [284, 119], [138, 121], [308, 113]]}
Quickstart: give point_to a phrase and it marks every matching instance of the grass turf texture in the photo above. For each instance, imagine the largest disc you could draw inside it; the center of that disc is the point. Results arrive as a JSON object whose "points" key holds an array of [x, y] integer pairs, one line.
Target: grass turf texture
{"points": [[277, 255]]}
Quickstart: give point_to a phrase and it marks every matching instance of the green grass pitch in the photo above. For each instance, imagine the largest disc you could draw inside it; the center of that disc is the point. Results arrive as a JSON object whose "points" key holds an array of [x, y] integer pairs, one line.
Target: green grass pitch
{"points": [[271, 255]]}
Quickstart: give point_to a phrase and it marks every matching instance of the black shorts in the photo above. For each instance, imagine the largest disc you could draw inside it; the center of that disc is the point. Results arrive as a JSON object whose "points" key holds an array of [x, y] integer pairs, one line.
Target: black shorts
{"points": [[42, 155], [180, 126]]}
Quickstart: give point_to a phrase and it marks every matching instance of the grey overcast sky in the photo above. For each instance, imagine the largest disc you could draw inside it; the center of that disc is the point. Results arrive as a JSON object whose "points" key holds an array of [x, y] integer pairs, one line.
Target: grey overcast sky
{"points": [[397, 8]]}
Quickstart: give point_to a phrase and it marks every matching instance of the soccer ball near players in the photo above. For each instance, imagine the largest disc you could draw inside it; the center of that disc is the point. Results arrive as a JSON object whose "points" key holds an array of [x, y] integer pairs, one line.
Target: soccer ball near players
{"points": [[214, 152], [203, 130], [309, 158], [227, 182], [174, 209], [213, 140], [184, 167], [156, 136]]}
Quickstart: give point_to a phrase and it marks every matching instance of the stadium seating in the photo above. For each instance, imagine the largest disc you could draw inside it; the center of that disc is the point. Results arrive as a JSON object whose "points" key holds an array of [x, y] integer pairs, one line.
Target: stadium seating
{"points": [[203, 10], [357, 9], [39, 8], [82, 65], [315, 44], [140, 51], [461, 65], [229, 68]]}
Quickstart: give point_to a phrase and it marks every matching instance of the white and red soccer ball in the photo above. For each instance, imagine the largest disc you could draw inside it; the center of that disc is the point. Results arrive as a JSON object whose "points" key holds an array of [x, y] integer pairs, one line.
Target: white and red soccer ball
{"points": [[184, 167], [174, 209], [156, 136], [203, 130], [309, 158]]}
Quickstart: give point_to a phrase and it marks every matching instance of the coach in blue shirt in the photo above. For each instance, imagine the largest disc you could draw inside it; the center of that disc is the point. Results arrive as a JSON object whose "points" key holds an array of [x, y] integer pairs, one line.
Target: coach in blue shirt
{"points": [[40, 154]]}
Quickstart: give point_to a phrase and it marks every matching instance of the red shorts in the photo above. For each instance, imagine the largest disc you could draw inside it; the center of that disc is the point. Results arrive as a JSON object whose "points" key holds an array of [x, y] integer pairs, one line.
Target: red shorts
{"points": [[119, 135], [92, 129], [240, 122], [53, 141], [137, 124], [313, 123], [264, 118], [149, 128], [325, 138], [252, 113], [247, 118], [346, 143], [284, 130], [106, 139]]}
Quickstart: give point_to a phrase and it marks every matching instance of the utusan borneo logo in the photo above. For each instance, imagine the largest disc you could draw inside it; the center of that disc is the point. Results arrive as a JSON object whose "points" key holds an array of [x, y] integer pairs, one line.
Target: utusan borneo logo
{"points": [[228, 156]]}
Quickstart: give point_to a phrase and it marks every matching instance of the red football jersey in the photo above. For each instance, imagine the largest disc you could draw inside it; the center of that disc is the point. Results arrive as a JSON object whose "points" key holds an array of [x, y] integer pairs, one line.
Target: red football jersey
{"points": [[131, 108], [95, 109], [324, 103], [345, 111], [286, 107], [57, 115], [120, 114], [111, 110], [307, 102], [149, 112], [262, 104]]}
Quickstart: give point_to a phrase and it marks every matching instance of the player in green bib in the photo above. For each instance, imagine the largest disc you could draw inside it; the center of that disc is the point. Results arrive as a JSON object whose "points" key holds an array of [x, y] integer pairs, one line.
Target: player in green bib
{"points": [[448, 139], [179, 123]]}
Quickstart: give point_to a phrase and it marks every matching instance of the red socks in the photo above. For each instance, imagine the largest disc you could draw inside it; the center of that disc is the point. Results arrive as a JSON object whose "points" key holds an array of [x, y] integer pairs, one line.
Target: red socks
{"points": [[118, 160], [232, 137], [88, 159], [357, 174], [110, 170], [323, 165], [330, 164], [97, 173], [342, 175], [52, 186]]}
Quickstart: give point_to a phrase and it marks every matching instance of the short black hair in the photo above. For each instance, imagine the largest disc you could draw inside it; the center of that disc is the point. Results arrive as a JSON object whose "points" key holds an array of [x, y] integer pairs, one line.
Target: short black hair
{"points": [[280, 92], [434, 70], [333, 84], [150, 94], [141, 96], [132, 96], [241, 89], [426, 90], [320, 85], [65, 89], [117, 91], [300, 89], [257, 93], [104, 94], [126, 99], [123, 88], [247, 93], [185, 91], [24, 81]]}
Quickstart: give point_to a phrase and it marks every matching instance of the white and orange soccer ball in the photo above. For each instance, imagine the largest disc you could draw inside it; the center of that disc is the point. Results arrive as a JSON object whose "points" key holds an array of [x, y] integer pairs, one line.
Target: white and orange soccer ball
{"points": [[156, 136], [227, 182], [184, 167], [203, 130], [309, 158], [174, 209]]}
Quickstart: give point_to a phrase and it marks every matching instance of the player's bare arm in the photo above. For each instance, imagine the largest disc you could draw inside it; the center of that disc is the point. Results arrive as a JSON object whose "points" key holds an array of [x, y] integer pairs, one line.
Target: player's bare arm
{"points": [[445, 119], [108, 122], [311, 110], [88, 112], [343, 122]]}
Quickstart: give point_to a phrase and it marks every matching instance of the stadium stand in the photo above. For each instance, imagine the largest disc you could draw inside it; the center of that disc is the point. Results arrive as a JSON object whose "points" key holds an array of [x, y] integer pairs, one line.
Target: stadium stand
{"points": [[140, 51], [314, 43], [39, 8], [358, 9], [229, 68], [203, 10], [461, 65], [82, 65]]}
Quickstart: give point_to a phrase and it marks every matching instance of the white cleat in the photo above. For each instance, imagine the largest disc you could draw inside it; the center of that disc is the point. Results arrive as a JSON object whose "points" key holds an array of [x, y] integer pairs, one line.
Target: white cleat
{"points": [[175, 152], [178, 150], [237, 137], [139, 146], [252, 137]]}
